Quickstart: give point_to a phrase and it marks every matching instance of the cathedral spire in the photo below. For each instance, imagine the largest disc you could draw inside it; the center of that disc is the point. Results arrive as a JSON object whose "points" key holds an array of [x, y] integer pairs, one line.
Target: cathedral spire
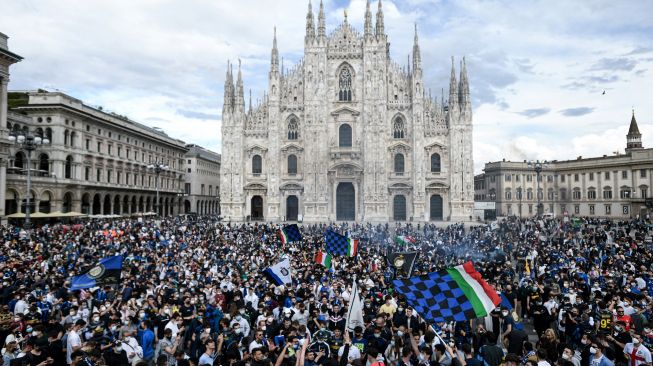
{"points": [[228, 87], [250, 100], [321, 22], [380, 28], [240, 96], [368, 21], [275, 54], [464, 87], [417, 56], [453, 88], [310, 26]]}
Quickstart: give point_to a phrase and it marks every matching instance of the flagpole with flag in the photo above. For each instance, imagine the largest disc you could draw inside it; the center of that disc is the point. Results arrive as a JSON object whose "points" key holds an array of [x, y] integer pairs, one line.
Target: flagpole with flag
{"points": [[355, 311]]}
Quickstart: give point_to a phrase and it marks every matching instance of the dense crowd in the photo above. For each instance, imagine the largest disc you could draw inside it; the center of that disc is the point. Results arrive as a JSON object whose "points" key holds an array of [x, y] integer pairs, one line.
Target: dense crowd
{"points": [[192, 292]]}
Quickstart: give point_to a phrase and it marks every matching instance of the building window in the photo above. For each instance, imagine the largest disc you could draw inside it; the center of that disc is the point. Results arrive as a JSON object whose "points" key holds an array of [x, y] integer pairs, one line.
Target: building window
{"points": [[576, 194], [190, 170], [68, 169], [576, 177], [98, 175], [492, 178], [591, 176], [591, 209], [591, 194], [127, 178], [508, 177], [624, 174], [549, 194], [563, 194], [643, 191], [99, 147], [87, 173], [188, 161], [607, 193], [202, 189], [344, 135], [88, 144], [529, 177], [109, 176], [529, 194], [576, 209], [549, 178], [399, 164], [118, 177], [562, 178], [292, 164], [109, 148], [257, 164], [187, 188], [344, 94], [608, 209], [435, 163], [398, 128], [642, 173], [624, 193], [119, 152], [492, 194], [607, 175], [293, 129], [508, 195]]}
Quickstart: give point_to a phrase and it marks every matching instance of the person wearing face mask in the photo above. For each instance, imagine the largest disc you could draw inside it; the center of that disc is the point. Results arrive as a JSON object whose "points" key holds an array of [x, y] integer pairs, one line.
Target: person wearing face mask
{"points": [[636, 353], [116, 355], [570, 355], [242, 322], [597, 358]]}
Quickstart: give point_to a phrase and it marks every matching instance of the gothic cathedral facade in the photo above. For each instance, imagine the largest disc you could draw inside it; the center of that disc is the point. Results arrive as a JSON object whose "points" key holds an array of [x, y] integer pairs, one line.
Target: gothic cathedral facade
{"points": [[347, 135]]}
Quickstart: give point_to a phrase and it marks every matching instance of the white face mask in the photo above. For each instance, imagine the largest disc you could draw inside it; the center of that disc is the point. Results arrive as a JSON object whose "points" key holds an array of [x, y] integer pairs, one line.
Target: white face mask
{"points": [[504, 313], [592, 350]]}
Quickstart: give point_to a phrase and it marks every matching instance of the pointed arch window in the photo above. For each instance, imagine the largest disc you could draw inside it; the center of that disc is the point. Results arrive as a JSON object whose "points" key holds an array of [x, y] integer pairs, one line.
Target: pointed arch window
{"points": [[293, 129], [345, 85], [398, 128]]}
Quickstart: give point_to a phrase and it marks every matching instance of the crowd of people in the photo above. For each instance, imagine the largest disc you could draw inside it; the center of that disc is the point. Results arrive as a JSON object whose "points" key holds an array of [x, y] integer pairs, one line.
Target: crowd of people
{"points": [[193, 292]]}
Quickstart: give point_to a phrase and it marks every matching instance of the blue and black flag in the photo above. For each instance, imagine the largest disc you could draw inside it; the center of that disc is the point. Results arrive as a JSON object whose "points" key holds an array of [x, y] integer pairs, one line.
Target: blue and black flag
{"points": [[106, 272]]}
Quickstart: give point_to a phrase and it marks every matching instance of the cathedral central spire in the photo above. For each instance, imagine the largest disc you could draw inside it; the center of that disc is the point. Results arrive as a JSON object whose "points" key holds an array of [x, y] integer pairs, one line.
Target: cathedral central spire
{"points": [[275, 54], [417, 57]]}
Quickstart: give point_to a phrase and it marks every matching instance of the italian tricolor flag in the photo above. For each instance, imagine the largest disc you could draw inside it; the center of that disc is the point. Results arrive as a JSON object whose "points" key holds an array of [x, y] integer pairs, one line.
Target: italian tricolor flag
{"points": [[323, 258], [352, 249], [479, 293], [404, 240]]}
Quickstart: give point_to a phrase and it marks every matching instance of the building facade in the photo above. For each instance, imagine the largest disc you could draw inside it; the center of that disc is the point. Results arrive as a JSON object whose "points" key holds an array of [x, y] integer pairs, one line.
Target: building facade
{"points": [[97, 162], [202, 177], [616, 186], [347, 134]]}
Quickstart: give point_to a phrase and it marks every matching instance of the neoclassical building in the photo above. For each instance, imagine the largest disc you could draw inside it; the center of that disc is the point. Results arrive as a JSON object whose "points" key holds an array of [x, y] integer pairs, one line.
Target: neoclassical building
{"points": [[615, 186], [202, 178], [347, 134]]}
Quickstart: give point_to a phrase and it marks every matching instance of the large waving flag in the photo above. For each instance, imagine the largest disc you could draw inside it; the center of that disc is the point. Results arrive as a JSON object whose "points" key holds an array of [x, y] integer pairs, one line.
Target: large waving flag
{"points": [[337, 244], [106, 272], [290, 233], [323, 258], [404, 240], [280, 272], [355, 311], [454, 294], [403, 263]]}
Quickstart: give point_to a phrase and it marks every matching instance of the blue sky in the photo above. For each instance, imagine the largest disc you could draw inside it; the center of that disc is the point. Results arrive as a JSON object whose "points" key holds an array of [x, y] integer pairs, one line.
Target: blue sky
{"points": [[537, 69]]}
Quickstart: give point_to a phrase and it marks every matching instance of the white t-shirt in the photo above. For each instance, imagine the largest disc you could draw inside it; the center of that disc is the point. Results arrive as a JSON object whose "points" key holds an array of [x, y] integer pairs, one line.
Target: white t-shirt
{"points": [[73, 341], [643, 354], [354, 352], [172, 325]]}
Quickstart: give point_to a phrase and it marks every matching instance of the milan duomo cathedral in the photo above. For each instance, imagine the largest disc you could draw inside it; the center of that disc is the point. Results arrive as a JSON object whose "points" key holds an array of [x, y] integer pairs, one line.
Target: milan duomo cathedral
{"points": [[347, 134]]}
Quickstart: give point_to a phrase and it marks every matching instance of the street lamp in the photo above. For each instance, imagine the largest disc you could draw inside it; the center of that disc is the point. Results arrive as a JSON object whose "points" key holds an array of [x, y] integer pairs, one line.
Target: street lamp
{"points": [[538, 166], [519, 193], [157, 167], [28, 141]]}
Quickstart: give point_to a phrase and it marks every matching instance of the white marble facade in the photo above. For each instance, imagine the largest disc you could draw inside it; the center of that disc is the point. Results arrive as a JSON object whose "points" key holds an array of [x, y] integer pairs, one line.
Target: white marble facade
{"points": [[347, 134]]}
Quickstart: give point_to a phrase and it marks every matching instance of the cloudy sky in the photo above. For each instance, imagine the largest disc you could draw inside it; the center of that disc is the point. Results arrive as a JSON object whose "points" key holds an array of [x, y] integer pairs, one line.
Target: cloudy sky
{"points": [[537, 69]]}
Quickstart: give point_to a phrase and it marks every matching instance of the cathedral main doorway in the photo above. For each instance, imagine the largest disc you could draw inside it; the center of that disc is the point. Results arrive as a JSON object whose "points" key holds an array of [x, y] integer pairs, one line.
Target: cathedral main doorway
{"points": [[436, 207], [292, 208], [345, 202], [399, 208], [257, 208]]}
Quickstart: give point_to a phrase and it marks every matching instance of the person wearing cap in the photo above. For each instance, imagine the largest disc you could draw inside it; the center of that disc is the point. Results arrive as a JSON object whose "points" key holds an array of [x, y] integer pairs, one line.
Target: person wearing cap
{"points": [[636, 353]]}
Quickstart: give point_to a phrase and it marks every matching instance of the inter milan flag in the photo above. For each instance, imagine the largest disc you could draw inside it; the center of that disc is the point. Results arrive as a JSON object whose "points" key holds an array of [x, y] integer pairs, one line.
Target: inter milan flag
{"points": [[403, 263], [337, 244], [106, 272], [290, 233], [279, 273], [454, 294]]}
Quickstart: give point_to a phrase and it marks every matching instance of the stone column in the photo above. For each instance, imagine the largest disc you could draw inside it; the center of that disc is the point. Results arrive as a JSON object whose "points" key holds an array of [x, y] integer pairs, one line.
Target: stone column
{"points": [[3, 186], [4, 81]]}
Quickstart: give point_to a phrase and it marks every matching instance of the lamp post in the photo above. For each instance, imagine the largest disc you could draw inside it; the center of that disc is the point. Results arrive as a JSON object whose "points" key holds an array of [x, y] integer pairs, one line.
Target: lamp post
{"points": [[519, 198], [28, 141], [538, 166], [157, 167]]}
